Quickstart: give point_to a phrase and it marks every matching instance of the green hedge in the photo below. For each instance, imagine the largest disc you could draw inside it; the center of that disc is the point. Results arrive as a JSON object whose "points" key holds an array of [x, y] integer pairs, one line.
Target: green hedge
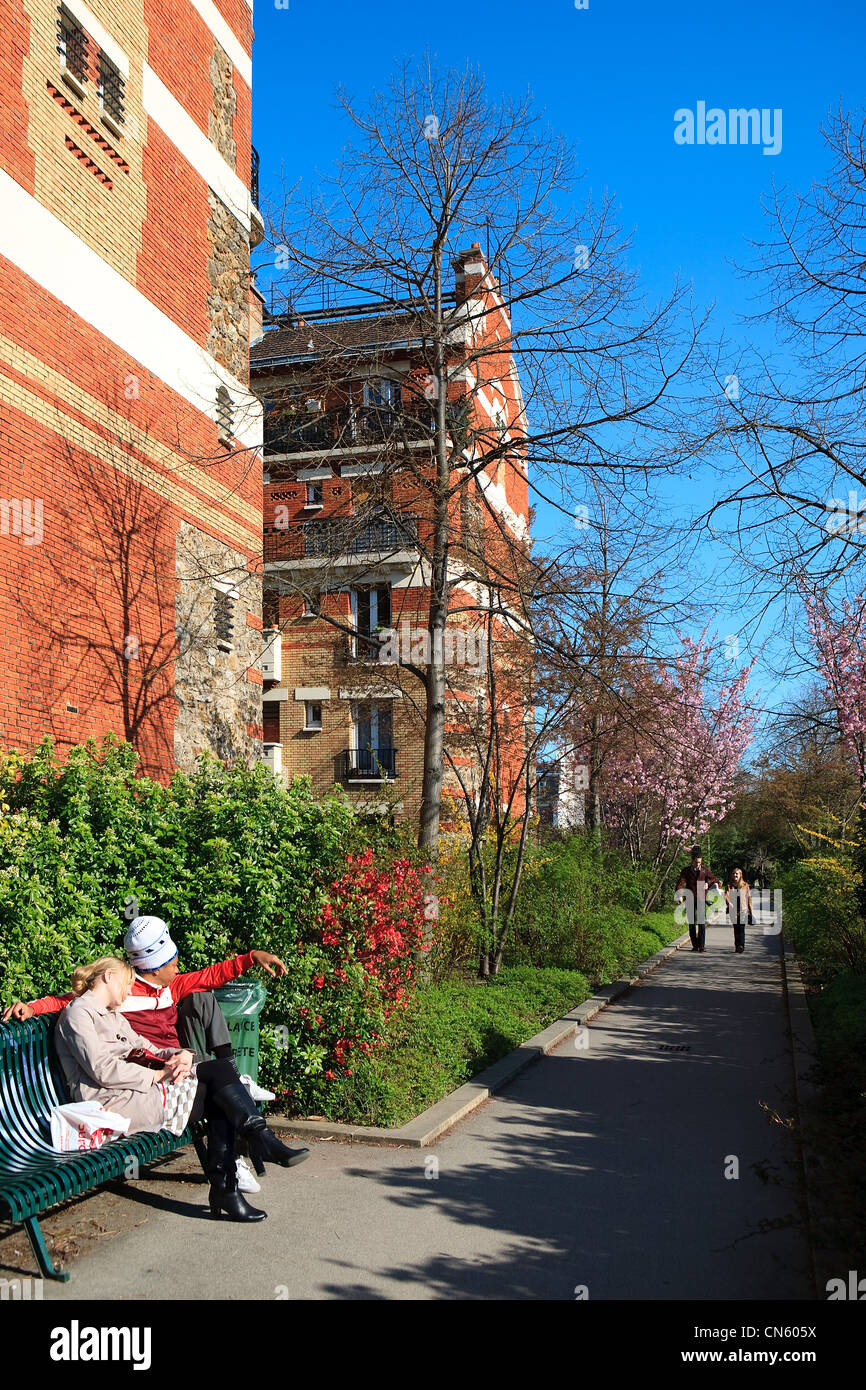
{"points": [[822, 914], [580, 912], [228, 857]]}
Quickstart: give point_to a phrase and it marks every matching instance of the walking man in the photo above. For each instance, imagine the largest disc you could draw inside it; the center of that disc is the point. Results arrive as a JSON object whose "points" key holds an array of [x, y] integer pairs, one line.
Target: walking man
{"points": [[694, 881]]}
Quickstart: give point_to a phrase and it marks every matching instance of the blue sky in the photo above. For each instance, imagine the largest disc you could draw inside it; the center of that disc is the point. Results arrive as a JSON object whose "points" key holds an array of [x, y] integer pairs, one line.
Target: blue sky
{"points": [[610, 78]]}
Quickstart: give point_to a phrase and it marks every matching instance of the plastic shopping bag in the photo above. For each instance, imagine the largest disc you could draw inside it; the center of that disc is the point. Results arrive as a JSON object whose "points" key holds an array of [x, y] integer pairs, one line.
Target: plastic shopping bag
{"points": [[85, 1124]]}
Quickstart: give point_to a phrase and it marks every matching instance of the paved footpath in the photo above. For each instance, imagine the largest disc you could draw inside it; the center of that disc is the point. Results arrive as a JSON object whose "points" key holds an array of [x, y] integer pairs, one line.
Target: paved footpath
{"points": [[602, 1167]]}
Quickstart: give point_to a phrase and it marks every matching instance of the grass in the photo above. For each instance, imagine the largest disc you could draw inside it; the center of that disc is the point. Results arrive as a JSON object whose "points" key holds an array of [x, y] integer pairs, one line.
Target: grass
{"points": [[839, 1018], [455, 1030]]}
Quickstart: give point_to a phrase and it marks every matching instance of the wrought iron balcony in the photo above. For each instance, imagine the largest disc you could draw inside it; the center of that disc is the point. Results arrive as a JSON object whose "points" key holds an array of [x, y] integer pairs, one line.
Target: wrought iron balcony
{"points": [[290, 432], [333, 537], [366, 646], [370, 764], [254, 175]]}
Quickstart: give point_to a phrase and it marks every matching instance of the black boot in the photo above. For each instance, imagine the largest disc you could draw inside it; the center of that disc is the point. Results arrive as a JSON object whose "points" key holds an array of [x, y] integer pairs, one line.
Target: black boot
{"points": [[224, 1198], [236, 1102]]}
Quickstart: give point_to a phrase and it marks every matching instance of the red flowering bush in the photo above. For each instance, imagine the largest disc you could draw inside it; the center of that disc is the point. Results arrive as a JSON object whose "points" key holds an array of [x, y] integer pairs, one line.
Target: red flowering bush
{"points": [[354, 968]]}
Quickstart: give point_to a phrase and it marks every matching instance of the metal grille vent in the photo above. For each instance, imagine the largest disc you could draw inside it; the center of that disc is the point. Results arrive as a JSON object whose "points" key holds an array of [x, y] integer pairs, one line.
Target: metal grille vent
{"points": [[72, 44], [112, 90]]}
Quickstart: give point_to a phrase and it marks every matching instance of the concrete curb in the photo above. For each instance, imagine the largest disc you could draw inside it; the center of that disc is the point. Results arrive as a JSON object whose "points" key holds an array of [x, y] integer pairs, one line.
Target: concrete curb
{"points": [[804, 1057], [431, 1124]]}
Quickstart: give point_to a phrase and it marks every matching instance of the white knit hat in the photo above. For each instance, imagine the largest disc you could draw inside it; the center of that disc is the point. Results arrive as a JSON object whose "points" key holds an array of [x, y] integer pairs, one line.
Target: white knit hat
{"points": [[148, 944]]}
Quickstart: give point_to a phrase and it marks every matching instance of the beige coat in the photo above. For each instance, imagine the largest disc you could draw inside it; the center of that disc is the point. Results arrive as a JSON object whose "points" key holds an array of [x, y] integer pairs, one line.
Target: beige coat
{"points": [[92, 1044]]}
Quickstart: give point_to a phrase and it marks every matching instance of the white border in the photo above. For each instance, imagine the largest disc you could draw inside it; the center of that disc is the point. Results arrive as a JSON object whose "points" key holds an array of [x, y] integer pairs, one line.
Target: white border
{"points": [[227, 37]]}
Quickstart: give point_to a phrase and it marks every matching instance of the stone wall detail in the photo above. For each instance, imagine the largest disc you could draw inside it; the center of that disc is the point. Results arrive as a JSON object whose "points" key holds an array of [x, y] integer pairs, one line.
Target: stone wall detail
{"points": [[228, 296], [225, 104], [218, 692]]}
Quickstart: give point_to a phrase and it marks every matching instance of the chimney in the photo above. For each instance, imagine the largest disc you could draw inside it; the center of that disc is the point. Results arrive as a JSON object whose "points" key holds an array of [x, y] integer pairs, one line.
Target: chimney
{"points": [[470, 268]]}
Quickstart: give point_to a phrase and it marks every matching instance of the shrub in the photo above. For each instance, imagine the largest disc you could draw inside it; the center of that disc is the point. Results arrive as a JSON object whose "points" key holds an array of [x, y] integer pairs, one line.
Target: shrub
{"points": [[232, 861], [822, 917], [576, 909], [353, 970]]}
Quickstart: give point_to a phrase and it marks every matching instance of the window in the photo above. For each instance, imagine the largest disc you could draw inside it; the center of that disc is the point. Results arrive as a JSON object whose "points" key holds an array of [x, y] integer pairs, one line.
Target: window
{"points": [[315, 495], [312, 716], [225, 415], [382, 394], [371, 613], [380, 405], [225, 597], [309, 606], [372, 753], [111, 92], [72, 45]]}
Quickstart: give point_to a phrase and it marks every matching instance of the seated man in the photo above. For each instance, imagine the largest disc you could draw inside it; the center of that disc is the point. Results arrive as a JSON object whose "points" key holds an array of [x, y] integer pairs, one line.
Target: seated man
{"points": [[170, 1008]]}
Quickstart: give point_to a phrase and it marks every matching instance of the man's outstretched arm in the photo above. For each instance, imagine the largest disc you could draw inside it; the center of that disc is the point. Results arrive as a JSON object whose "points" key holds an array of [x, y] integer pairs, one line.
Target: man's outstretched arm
{"points": [[50, 1004], [192, 981]]}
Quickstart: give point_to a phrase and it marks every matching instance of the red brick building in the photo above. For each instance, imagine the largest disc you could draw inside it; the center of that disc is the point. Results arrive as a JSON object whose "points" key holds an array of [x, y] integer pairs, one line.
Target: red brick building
{"points": [[130, 470], [349, 440]]}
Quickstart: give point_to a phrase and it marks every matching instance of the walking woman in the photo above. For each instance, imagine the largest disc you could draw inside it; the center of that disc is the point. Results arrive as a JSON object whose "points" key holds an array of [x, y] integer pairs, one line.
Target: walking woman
{"points": [[105, 1060], [738, 896]]}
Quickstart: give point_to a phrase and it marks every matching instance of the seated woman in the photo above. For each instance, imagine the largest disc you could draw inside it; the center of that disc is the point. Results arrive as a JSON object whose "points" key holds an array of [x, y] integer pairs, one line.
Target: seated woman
{"points": [[103, 1059]]}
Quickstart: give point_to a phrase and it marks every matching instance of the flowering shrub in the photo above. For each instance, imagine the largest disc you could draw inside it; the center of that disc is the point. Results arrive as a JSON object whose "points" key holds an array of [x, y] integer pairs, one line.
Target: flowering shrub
{"points": [[357, 961]]}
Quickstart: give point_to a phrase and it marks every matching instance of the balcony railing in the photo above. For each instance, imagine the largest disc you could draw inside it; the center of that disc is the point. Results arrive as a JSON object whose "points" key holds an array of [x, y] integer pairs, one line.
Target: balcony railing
{"points": [[295, 432], [331, 538], [370, 764], [254, 175]]}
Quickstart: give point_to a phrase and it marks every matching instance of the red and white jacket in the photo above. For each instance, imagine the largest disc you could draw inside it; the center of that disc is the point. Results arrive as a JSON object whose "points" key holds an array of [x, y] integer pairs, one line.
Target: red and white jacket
{"points": [[152, 1009]]}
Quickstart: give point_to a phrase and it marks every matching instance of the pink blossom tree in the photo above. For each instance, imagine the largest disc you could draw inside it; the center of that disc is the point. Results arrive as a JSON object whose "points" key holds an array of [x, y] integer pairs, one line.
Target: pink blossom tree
{"points": [[838, 642], [672, 780]]}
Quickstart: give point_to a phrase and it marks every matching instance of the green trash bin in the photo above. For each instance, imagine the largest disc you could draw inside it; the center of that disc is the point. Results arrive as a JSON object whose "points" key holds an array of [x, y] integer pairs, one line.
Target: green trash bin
{"points": [[242, 1002]]}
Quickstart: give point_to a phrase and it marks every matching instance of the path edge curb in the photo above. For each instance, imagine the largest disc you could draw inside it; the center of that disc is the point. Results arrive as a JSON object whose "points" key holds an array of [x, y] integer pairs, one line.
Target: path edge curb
{"points": [[431, 1124]]}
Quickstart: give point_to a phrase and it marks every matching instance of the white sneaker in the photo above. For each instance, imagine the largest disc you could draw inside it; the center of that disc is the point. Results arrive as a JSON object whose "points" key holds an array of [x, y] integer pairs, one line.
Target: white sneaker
{"points": [[255, 1090], [246, 1177]]}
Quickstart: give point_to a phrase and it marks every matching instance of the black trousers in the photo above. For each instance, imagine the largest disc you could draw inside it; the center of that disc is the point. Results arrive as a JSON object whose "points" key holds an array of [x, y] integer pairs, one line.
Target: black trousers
{"points": [[698, 933], [201, 1026], [739, 926], [211, 1076]]}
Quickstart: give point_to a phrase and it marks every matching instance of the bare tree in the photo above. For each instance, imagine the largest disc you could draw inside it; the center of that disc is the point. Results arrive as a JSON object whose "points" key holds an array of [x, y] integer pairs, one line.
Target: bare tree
{"points": [[798, 432], [549, 363]]}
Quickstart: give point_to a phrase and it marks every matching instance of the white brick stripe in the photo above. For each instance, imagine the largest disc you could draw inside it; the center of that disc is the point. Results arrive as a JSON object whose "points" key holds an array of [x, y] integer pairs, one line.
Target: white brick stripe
{"points": [[100, 36], [44, 248], [227, 37], [194, 145]]}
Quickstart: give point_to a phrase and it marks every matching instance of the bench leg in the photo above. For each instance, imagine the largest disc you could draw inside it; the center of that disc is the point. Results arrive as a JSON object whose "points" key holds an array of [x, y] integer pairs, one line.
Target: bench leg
{"points": [[46, 1265]]}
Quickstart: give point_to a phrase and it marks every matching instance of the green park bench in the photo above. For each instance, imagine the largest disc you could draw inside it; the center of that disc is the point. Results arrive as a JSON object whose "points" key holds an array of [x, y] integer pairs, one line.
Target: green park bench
{"points": [[33, 1177]]}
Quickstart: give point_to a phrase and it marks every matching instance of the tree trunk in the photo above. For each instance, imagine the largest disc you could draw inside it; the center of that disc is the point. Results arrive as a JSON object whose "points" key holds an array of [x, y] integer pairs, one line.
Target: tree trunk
{"points": [[594, 807], [434, 732]]}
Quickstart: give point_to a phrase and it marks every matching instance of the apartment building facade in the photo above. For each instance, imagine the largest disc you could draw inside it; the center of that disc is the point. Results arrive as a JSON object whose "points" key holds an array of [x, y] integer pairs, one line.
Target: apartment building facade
{"points": [[350, 428], [130, 445]]}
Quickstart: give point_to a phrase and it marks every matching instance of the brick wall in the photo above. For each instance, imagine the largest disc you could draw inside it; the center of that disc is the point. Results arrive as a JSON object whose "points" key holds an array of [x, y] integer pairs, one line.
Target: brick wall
{"points": [[108, 426]]}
